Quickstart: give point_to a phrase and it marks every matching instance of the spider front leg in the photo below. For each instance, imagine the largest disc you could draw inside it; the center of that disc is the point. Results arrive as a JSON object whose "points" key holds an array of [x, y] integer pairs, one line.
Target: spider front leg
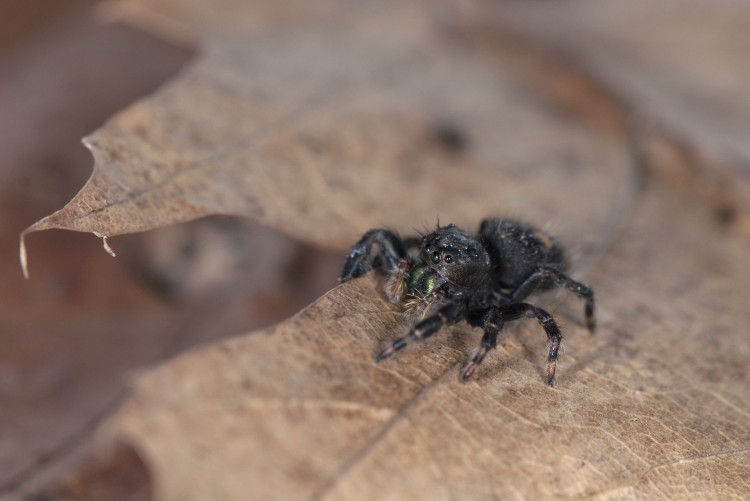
{"points": [[581, 290], [362, 258], [493, 321], [447, 315]]}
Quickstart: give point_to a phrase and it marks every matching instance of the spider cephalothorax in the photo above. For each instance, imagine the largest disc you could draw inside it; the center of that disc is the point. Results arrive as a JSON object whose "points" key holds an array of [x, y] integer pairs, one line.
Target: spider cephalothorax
{"points": [[448, 275]]}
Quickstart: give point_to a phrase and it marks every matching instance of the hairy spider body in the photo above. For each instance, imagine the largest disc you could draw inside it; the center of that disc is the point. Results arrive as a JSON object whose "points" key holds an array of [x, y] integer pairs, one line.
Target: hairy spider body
{"points": [[449, 276]]}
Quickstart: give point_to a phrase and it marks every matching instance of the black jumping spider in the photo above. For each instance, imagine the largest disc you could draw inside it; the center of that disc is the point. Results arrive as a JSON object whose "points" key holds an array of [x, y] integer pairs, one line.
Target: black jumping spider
{"points": [[448, 276]]}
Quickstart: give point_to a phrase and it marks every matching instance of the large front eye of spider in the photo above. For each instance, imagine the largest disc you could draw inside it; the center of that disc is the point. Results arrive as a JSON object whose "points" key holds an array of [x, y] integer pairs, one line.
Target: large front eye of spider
{"points": [[436, 257], [448, 259]]}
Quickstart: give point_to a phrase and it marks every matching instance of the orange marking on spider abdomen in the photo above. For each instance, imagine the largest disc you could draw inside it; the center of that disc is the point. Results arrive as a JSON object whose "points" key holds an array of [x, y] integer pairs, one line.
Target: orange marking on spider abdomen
{"points": [[545, 240]]}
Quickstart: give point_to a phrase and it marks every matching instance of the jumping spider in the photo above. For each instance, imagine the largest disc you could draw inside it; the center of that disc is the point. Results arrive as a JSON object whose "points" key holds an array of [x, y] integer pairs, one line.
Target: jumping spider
{"points": [[448, 276]]}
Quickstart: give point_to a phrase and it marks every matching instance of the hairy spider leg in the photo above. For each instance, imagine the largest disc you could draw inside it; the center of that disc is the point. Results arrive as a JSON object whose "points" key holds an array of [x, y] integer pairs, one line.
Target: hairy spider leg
{"points": [[447, 315], [494, 321], [396, 285], [554, 336], [361, 260], [581, 290], [418, 306]]}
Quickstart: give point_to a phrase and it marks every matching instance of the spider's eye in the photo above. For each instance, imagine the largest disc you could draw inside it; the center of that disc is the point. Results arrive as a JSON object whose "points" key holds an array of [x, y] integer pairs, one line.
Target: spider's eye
{"points": [[448, 258], [436, 257]]}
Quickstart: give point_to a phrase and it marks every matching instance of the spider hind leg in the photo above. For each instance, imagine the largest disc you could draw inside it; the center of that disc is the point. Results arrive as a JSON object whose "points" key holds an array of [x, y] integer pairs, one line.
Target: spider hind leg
{"points": [[550, 274]]}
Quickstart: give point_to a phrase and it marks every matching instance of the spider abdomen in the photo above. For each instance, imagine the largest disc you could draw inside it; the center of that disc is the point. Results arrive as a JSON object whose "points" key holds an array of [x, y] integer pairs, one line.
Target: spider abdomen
{"points": [[517, 250]]}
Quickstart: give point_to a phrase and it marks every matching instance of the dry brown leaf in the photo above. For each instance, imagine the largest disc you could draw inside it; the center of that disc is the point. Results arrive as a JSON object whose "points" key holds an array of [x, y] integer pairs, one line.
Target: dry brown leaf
{"points": [[653, 406], [323, 121]]}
